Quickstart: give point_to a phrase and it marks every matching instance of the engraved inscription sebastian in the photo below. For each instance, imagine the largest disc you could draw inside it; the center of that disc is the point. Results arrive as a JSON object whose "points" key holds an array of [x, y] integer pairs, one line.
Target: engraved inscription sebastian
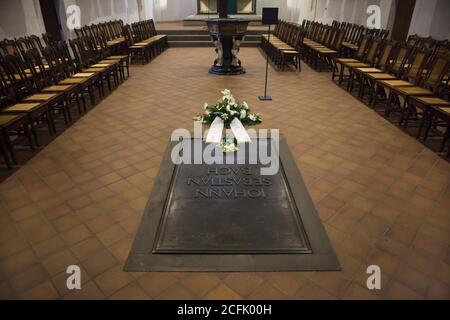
{"points": [[226, 182]]}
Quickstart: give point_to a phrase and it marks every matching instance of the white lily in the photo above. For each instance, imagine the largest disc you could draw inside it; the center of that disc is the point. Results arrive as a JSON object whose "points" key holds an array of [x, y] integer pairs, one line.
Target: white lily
{"points": [[245, 105], [243, 114], [226, 93]]}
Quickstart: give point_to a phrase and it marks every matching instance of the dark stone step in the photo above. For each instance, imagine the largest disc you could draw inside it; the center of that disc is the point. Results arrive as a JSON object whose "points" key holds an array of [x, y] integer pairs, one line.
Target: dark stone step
{"points": [[203, 32], [208, 44], [206, 37]]}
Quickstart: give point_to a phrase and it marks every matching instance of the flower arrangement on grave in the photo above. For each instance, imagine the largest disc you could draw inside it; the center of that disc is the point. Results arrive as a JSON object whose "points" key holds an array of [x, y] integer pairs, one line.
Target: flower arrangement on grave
{"points": [[228, 109], [228, 113]]}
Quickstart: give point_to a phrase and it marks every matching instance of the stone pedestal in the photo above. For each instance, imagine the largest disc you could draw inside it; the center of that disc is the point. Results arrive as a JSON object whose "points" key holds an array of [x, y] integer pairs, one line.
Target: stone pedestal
{"points": [[227, 35]]}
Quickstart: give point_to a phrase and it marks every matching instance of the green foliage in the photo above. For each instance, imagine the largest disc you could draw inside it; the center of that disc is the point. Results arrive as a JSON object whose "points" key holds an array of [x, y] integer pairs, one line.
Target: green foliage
{"points": [[227, 109]]}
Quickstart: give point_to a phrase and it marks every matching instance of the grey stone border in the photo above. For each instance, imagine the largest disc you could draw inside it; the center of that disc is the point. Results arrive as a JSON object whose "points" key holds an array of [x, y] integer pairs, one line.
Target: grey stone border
{"points": [[141, 257]]}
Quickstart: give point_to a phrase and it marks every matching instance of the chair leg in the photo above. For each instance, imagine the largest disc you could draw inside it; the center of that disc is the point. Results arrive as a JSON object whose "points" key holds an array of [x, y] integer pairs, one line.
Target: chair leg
{"points": [[444, 141], [428, 127], [8, 145], [422, 122], [387, 110], [26, 131], [403, 110]]}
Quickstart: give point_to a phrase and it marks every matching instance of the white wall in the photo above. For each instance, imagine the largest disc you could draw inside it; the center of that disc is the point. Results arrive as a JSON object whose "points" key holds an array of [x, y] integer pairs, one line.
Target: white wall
{"points": [[431, 18], [96, 11], [173, 10], [20, 18], [440, 26], [326, 11], [422, 17]]}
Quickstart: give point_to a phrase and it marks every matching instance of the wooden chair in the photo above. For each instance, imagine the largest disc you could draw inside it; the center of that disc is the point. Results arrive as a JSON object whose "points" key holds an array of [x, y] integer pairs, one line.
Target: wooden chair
{"points": [[413, 75], [340, 64], [14, 125], [404, 75], [370, 60], [418, 99], [380, 70], [439, 116]]}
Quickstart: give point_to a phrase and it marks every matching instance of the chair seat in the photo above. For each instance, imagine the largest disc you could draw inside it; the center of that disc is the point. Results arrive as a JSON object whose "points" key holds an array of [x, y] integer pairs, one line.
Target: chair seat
{"points": [[368, 70], [83, 75], [445, 110], [74, 81], [350, 45], [417, 91], [396, 83], [117, 57], [109, 61], [355, 64], [342, 60], [95, 70], [380, 76], [327, 51], [23, 107], [8, 119], [432, 101], [42, 97], [100, 65], [63, 88]]}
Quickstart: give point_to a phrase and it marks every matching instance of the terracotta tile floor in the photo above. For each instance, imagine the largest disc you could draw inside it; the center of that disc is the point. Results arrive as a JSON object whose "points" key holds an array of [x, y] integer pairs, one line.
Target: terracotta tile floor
{"points": [[383, 197]]}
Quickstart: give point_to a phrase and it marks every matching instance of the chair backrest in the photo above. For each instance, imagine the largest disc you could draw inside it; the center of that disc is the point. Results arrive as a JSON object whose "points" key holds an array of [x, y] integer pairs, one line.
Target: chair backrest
{"points": [[372, 50], [439, 69], [362, 48], [56, 69], [417, 65], [399, 60], [338, 40], [16, 76], [386, 54], [35, 66]]}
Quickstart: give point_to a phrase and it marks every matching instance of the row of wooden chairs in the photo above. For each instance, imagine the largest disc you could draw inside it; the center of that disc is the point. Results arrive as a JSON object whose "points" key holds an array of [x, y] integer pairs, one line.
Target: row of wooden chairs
{"points": [[322, 43], [410, 80], [283, 46], [146, 43], [39, 87], [108, 35], [106, 40]]}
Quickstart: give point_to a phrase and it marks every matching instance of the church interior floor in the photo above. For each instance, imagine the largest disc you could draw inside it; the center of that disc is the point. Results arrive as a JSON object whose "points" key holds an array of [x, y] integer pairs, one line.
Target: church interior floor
{"points": [[383, 197]]}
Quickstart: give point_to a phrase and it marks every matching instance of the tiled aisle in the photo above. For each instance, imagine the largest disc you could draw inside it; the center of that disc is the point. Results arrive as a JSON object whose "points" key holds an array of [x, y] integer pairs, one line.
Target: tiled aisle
{"points": [[384, 198]]}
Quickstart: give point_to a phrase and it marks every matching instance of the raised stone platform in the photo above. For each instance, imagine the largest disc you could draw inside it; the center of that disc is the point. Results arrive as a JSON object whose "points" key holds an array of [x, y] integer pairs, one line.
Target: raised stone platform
{"points": [[230, 217], [180, 35], [199, 19]]}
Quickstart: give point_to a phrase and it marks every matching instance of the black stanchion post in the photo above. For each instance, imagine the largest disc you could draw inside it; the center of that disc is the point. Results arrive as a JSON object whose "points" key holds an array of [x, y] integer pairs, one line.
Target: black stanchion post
{"points": [[270, 16], [265, 97]]}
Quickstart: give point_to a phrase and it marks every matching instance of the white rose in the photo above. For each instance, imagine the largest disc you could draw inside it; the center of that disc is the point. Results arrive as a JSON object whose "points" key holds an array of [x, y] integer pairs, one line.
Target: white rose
{"points": [[228, 108], [243, 114], [226, 93], [245, 105]]}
